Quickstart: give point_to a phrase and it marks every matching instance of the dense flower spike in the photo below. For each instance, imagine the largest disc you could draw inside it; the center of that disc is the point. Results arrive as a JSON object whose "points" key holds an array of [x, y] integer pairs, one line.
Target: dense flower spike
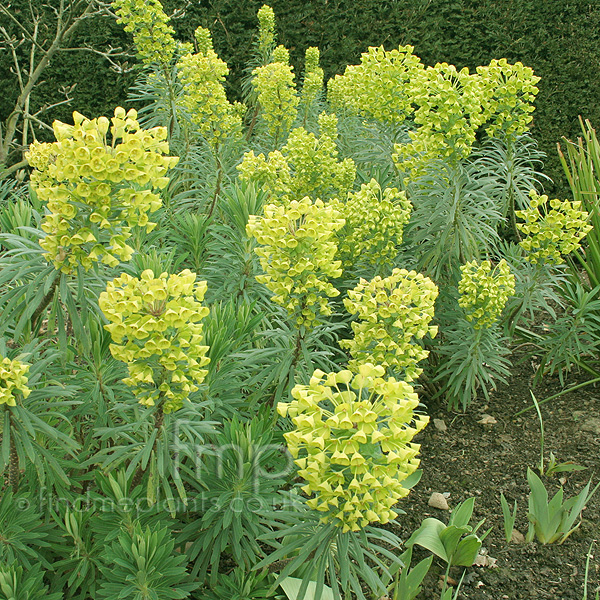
{"points": [[297, 255], [13, 381], [508, 97], [203, 77], [305, 166], [484, 291], [98, 190], [155, 324], [448, 115], [392, 314], [353, 443], [380, 87], [313, 78], [375, 221], [552, 234], [152, 35], [266, 30], [276, 94]]}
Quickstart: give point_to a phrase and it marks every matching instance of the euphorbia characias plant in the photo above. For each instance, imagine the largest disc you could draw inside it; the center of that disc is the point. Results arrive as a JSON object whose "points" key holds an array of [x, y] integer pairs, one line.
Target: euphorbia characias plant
{"points": [[156, 327], [552, 232], [484, 291], [352, 441], [393, 312], [97, 187], [297, 253]]}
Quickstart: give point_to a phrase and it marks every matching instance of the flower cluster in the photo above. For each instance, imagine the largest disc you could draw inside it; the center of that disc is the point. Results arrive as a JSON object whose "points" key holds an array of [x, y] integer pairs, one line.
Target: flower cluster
{"points": [[375, 221], [552, 233], [13, 381], [509, 92], [392, 312], [152, 35], [448, 115], [276, 93], [266, 30], [297, 250], [97, 191], [353, 443], [380, 87], [203, 76], [155, 324], [448, 106], [313, 78], [305, 166], [484, 291]]}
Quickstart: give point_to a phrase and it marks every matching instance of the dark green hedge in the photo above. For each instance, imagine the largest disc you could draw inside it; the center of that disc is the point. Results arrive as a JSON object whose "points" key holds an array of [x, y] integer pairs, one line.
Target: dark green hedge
{"points": [[560, 39]]}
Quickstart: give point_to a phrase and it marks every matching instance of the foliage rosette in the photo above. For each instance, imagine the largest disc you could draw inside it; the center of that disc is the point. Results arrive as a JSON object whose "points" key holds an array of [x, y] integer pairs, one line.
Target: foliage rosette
{"points": [[152, 34], [156, 327], [352, 442], [307, 165], [203, 77], [552, 233], [393, 312], [13, 381], [297, 253], [375, 221], [484, 291], [97, 191]]}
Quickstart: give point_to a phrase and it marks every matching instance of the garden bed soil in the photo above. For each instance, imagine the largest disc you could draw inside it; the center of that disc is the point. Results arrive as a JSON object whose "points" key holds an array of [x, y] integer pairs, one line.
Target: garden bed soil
{"points": [[471, 458]]}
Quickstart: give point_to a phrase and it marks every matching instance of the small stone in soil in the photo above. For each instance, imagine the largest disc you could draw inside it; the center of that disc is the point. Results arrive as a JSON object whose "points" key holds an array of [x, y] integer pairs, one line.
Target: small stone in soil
{"points": [[438, 500]]}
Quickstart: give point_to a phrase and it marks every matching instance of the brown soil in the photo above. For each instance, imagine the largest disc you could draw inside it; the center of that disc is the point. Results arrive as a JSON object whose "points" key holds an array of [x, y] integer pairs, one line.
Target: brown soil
{"points": [[471, 459]]}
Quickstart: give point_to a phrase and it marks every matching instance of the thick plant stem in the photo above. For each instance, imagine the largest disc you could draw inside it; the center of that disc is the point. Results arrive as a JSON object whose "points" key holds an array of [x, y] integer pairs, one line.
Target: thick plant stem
{"points": [[13, 464], [37, 313], [218, 184], [159, 417]]}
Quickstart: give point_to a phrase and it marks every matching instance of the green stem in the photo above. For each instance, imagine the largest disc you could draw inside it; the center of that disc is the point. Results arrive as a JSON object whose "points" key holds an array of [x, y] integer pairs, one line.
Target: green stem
{"points": [[159, 416], [13, 465], [37, 313]]}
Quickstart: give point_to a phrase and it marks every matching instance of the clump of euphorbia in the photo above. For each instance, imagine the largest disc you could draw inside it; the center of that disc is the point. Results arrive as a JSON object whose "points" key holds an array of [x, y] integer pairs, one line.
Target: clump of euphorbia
{"points": [[352, 441], [98, 188], [297, 250], [552, 233], [484, 291], [156, 327], [392, 313]]}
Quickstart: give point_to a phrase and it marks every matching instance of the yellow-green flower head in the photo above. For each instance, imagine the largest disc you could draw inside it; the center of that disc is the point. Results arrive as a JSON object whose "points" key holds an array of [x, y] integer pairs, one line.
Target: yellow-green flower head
{"points": [[266, 29], [152, 35], [554, 233], [375, 221], [297, 250], [449, 113], [13, 381], [508, 96], [97, 189], [305, 166], [380, 87], [156, 327], [484, 291], [352, 441], [203, 77], [312, 85], [276, 95], [392, 313]]}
